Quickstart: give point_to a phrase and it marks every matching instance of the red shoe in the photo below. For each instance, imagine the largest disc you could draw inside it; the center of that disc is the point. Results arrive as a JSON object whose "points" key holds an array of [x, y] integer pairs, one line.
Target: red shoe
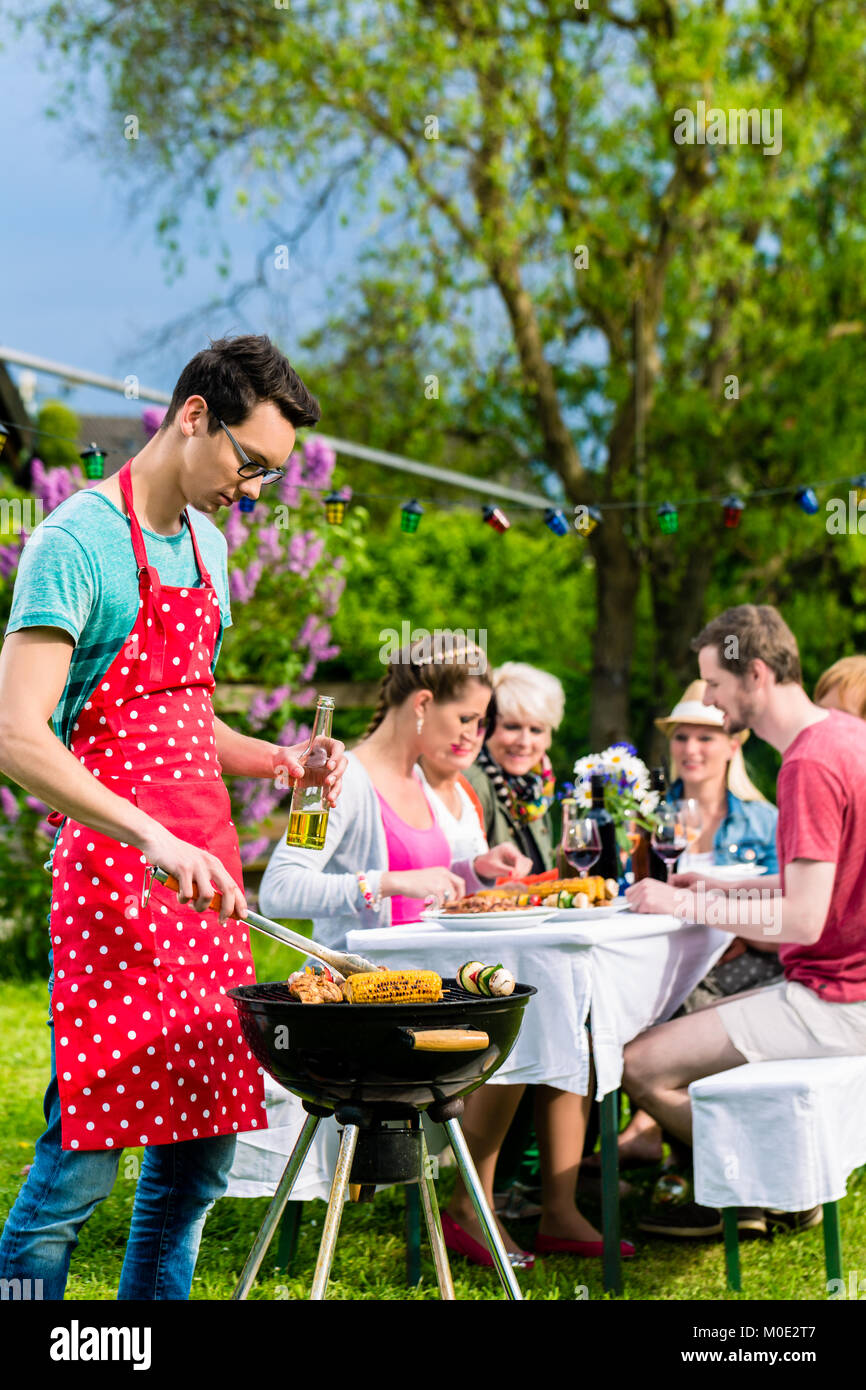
{"points": [[559, 1245], [459, 1242]]}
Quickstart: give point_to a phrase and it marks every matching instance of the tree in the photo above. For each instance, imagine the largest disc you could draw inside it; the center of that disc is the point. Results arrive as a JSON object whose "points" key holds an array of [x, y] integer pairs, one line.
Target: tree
{"points": [[584, 187]]}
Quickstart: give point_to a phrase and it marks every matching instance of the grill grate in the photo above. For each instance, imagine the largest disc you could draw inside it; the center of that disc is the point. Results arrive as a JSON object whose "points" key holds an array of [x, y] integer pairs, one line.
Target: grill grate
{"points": [[278, 993]]}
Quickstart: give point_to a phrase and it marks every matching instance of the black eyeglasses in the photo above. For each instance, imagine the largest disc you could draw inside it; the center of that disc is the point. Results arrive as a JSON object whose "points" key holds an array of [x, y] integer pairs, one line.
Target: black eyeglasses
{"points": [[248, 469]]}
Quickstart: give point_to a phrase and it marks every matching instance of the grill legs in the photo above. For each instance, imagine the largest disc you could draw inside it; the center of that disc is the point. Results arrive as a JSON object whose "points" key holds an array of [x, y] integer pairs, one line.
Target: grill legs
{"points": [[427, 1190], [482, 1211], [430, 1206], [334, 1214], [276, 1208]]}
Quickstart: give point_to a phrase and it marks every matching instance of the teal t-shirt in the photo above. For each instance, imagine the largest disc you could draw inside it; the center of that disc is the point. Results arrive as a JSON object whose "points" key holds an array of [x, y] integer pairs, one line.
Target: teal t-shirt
{"points": [[78, 572]]}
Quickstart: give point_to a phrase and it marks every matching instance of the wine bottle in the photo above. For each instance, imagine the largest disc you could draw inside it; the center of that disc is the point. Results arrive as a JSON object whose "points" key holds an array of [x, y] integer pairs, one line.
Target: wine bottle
{"points": [[568, 808], [656, 865], [607, 863], [308, 810]]}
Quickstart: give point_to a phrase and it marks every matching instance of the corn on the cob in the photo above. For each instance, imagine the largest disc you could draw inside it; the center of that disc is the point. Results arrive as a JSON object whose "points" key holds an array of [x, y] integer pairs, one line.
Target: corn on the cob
{"points": [[594, 886], [394, 986]]}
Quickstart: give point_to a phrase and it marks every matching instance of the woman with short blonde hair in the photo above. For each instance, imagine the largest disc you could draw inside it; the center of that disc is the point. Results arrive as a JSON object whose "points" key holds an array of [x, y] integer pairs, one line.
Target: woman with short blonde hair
{"points": [[512, 775]]}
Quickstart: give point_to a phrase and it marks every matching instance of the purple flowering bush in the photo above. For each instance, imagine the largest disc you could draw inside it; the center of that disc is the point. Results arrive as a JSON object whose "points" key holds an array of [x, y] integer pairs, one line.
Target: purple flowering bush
{"points": [[25, 894]]}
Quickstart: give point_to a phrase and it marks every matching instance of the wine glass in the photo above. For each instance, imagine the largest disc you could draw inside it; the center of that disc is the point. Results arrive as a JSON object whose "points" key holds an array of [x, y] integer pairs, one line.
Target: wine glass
{"points": [[581, 843], [669, 836], [631, 832], [692, 818]]}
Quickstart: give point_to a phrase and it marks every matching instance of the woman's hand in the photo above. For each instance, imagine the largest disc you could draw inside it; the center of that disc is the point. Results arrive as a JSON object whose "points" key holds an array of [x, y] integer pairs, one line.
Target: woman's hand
{"points": [[435, 886], [502, 859], [324, 767]]}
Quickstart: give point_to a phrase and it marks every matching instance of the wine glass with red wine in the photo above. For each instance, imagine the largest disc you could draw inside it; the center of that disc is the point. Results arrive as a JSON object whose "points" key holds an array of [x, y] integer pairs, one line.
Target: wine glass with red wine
{"points": [[669, 838], [581, 844]]}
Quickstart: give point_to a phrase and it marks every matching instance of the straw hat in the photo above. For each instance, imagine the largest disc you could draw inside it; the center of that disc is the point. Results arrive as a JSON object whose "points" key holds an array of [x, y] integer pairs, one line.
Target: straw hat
{"points": [[692, 710]]}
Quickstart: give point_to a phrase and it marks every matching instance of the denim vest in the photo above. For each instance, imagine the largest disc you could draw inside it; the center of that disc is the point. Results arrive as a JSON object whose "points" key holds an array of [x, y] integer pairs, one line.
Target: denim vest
{"points": [[747, 833]]}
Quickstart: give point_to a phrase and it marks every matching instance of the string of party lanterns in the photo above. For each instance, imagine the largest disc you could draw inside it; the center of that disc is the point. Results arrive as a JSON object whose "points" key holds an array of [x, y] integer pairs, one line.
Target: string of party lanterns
{"points": [[587, 518]]}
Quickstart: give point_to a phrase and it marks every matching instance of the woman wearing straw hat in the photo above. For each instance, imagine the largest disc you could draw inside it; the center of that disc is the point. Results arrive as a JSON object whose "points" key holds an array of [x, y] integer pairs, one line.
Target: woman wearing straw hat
{"points": [[738, 823], [738, 826]]}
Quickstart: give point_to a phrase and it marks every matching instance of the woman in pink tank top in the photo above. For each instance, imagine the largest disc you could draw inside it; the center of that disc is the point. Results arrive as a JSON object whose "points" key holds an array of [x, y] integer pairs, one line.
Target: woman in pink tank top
{"points": [[410, 848], [427, 704]]}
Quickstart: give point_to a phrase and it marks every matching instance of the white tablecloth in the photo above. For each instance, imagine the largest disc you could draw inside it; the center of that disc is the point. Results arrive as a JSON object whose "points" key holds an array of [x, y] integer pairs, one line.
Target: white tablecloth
{"points": [[629, 969], [779, 1134]]}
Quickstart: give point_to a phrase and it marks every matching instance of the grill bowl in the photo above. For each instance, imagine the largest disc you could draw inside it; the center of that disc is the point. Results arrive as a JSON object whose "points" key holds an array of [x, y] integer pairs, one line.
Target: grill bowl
{"points": [[332, 1054]]}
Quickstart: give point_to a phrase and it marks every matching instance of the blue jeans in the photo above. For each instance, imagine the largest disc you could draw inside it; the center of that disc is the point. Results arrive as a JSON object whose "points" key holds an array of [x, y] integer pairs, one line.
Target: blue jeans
{"points": [[178, 1185]]}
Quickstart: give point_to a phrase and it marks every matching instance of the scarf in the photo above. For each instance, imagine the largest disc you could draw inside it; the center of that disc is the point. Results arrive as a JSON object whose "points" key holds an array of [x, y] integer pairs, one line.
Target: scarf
{"points": [[526, 797]]}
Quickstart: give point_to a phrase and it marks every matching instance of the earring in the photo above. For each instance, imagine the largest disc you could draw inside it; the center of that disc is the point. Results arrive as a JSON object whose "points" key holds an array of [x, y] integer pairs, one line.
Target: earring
{"points": [[419, 724]]}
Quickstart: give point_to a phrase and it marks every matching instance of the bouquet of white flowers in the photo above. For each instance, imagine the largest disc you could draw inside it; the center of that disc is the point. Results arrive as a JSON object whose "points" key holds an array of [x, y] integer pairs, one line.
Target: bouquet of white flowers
{"points": [[627, 794]]}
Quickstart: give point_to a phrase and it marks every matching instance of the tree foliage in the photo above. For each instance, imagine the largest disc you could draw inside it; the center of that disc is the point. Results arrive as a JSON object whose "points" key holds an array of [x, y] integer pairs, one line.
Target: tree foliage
{"points": [[495, 142]]}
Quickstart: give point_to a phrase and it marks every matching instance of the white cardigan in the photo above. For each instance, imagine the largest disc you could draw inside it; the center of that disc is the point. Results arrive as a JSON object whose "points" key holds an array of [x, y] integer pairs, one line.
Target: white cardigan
{"points": [[323, 884]]}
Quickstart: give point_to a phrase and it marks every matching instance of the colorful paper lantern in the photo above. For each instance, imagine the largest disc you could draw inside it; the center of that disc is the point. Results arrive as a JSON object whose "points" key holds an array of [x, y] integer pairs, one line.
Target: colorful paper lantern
{"points": [[808, 500], [94, 462], [335, 508], [495, 517], [590, 517], [732, 509], [669, 519], [410, 516], [554, 520], [247, 504]]}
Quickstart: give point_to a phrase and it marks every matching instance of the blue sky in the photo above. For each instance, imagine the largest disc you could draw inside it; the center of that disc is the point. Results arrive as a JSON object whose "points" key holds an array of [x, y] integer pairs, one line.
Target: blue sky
{"points": [[83, 283]]}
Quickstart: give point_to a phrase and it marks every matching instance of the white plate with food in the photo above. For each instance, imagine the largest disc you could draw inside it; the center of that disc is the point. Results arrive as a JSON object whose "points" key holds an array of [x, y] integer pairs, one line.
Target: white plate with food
{"points": [[489, 921], [589, 914]]}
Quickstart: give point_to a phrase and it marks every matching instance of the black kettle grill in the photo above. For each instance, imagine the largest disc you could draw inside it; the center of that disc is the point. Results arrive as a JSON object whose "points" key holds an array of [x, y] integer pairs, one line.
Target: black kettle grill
{"points": [[376, 1067]]}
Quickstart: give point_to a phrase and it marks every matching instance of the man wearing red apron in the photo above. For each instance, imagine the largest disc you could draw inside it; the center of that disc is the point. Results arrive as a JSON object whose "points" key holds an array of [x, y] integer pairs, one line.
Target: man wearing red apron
{"points": [[147, 1044]]}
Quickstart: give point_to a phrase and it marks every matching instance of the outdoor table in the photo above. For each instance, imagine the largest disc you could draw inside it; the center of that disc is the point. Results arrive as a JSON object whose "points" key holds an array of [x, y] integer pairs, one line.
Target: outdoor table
{"points": [[620, 973]]}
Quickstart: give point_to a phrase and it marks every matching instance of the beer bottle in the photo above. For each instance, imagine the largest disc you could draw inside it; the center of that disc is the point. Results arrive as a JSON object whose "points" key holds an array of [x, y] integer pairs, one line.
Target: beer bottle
{"points": [[308, 810]]}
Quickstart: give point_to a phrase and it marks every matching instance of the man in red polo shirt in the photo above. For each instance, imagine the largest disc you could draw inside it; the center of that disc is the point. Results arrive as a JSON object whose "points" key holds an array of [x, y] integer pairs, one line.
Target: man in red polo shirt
{"points": [[815, 909]]}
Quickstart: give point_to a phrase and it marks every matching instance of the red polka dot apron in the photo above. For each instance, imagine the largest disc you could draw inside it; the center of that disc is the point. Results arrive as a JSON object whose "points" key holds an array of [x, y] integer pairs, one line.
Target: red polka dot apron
{"points": [[148, 1046]]}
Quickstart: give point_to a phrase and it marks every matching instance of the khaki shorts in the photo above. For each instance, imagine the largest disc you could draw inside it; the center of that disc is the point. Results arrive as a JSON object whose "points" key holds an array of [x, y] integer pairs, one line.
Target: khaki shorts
{"points": [[788, 1020]]}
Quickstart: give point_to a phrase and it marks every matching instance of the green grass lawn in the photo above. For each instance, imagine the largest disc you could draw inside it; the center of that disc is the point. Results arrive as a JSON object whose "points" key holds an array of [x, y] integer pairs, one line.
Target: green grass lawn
{"points": [[369, 1263]]}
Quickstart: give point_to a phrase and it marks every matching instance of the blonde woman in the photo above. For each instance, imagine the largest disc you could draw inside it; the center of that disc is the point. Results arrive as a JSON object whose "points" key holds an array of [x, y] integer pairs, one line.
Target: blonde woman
{"points": [[512, 776], [738, 823], [843, 686]]}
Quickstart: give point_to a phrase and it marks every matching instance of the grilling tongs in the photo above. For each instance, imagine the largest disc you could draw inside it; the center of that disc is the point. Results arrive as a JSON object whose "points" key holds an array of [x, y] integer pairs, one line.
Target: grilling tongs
{"points": [[345, 964]]}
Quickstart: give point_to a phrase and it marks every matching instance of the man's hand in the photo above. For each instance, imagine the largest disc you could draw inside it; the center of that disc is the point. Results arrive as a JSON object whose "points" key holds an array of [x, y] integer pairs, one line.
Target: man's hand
{"points": [[652, 896], [325, 766], [199, 873], [502, 859], [692, 878]]}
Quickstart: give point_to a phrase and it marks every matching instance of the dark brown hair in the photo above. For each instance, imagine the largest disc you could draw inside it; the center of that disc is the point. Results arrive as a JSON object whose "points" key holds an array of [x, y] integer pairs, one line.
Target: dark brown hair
{"points": [[761, 633], [235, 374], [446, 676]]}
